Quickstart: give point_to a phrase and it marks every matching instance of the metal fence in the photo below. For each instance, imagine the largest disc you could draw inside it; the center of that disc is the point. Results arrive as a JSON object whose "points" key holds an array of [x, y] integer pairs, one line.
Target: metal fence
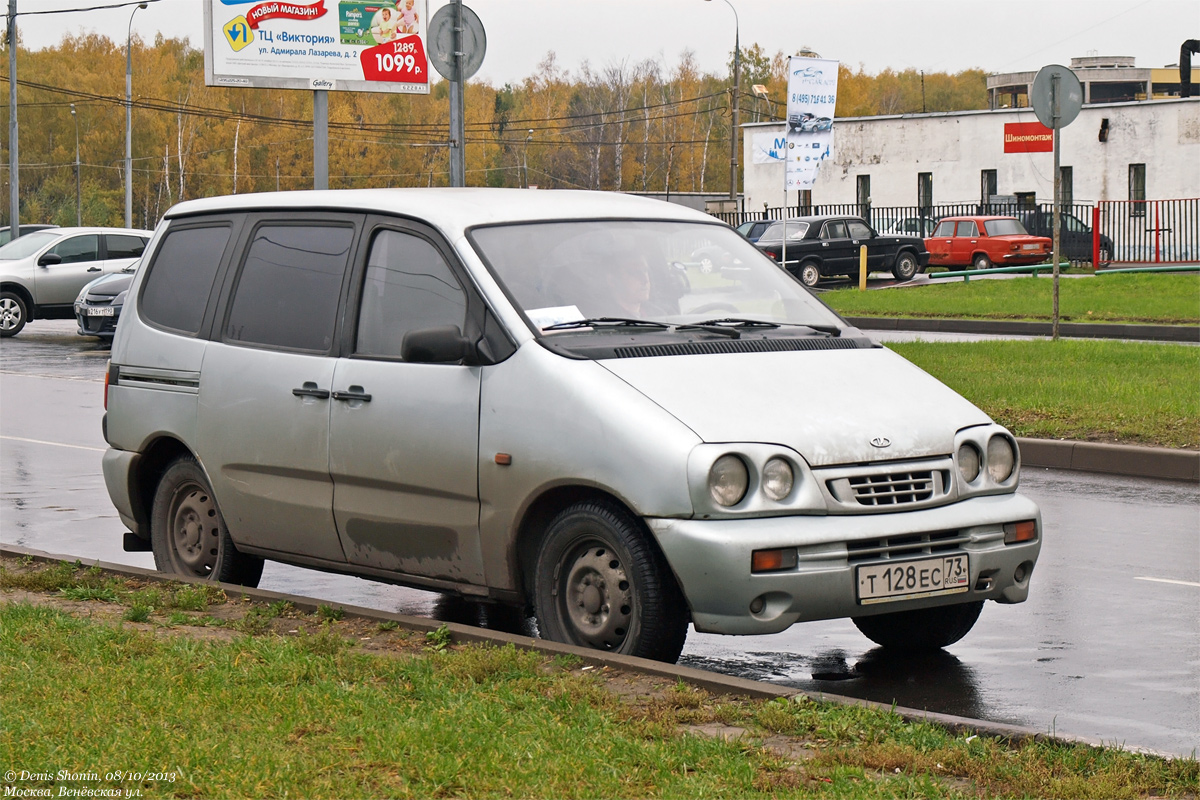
{"points": [[1151, 231]]}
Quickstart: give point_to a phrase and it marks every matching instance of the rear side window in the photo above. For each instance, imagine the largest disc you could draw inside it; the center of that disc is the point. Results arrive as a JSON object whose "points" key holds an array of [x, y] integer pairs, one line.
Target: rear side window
{"points": [[287, 294], [177, 287], [123, 246], [834, 230], [408, 286], [967, 228]]}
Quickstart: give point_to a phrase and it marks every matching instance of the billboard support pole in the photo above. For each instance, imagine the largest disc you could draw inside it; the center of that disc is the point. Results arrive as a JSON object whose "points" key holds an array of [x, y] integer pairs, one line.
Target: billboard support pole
{"points": [[458, 161], [320, 139], [14, 177]]}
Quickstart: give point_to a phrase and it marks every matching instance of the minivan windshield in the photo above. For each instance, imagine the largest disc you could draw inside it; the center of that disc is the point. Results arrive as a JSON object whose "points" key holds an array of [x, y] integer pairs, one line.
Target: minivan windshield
{"points": [[673, 273], [26, 245]]}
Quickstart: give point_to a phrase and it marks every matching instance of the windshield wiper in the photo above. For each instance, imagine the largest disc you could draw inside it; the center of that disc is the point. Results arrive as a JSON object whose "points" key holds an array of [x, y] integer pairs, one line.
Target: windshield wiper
{"points": [[738, 322], [832, 330], [607, 322]]}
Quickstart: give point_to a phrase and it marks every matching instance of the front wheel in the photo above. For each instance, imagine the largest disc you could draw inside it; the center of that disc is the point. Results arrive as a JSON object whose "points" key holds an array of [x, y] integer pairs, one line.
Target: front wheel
{"points": [[188, 534], [809, 274], [921, 630], [13, 314], [905, 267], [600, 583]]}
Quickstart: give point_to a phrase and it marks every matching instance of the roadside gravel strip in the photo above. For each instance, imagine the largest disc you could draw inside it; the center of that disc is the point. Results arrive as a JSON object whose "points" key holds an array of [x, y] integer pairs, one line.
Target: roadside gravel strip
{"points": [[713, 682], [1069, 330]]}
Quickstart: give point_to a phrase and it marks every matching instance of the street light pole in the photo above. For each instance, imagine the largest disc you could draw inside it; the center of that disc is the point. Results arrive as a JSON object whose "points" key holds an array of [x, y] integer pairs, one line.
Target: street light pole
{"points": [[78, 193], [129, 119], [737, 90], [525, 157]]}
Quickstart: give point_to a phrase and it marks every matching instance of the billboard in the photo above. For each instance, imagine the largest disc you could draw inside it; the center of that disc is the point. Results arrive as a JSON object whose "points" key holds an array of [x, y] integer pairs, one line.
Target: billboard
{"points": [[812, 98], [1027, 137], [338, 45]]}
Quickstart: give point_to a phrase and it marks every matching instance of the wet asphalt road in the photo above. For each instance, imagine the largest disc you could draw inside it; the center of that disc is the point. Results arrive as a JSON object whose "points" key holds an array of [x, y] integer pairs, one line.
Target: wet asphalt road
{"points": [[1108, 645]]}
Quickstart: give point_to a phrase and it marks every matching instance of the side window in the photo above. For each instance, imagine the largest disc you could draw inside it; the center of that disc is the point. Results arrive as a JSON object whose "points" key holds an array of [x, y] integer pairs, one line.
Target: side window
{"points": [[968, 228], [180, 280], [287, 293], [834, 230], [858, 230], [945, 228], [124, 246], [78, 249], [408, 286]]}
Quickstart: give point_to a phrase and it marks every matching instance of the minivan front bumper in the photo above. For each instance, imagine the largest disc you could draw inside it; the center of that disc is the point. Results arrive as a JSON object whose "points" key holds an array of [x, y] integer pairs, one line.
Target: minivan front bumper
{"points": [[711, 560]]}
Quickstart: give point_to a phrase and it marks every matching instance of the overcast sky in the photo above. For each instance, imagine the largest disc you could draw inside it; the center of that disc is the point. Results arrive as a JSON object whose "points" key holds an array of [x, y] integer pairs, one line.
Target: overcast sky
{"points": [[930, 35]]}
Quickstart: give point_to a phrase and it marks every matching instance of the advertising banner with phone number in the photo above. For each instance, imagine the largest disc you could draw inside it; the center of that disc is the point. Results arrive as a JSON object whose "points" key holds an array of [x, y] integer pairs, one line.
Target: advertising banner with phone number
{"points": [[338, 45], [812, 97]]}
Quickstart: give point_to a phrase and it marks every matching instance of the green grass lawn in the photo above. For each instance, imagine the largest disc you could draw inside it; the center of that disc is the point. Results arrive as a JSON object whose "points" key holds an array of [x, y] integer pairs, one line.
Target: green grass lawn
{"points": [[1128, 298], [99, 674], [1130, 392]]}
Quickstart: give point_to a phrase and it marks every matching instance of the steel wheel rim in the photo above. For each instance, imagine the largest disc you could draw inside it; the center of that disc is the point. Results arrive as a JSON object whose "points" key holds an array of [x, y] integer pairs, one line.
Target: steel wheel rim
{"points": [[595, 597], [195, 536], [809, 275], [10, 314], [908, 267]]}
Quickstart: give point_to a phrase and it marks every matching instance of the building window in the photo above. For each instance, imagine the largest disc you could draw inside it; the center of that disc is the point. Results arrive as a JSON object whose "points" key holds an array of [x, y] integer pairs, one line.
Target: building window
{"points": [[987, 186], [925, 192], [1137, 190], [864, 196], [1026, 200], [1066, 188], [804, 202]]}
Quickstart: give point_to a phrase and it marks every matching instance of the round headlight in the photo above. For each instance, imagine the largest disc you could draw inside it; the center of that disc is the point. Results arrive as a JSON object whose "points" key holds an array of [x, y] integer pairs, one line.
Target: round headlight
{"points": [[968, 462], [1000, 458], [777, 479], [728, 479]]}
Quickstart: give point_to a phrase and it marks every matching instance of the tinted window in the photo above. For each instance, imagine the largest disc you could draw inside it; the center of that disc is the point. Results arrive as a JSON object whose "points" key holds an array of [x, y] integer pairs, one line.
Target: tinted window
{"points": [[834, 230], [945, 228], [967, 228], [287, 294], [176, 290], [124, 246], [78, 249], [858, 230], [408, 286]]}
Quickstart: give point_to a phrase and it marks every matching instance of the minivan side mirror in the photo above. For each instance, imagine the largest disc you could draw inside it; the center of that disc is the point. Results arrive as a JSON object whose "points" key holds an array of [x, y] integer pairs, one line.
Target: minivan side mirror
{"points": [[49, 260], [435, 345]]}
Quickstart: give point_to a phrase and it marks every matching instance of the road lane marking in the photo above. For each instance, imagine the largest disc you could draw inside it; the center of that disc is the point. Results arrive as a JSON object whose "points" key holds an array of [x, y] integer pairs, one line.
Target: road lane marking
{"points": [[1168, 580], [56, 444]]}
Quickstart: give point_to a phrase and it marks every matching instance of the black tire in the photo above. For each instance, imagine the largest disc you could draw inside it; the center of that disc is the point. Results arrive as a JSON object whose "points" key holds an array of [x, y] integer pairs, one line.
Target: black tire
{"points": [[601, 583], [188, 533], [921, 630], [13, 314], [809, 273], [906, 266], [981, 261], [1105, 256]]}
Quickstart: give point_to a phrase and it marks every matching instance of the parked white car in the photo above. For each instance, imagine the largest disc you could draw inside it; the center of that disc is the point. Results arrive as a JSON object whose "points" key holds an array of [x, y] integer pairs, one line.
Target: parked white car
{"points": [[532, 397], [41, 273]]}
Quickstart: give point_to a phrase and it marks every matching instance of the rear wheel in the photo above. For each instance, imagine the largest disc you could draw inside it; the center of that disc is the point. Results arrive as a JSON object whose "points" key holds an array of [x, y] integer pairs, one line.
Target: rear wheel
{"points": [[188, 534], [922, 629], [600, 583], [13, 313], [809, 274], [981, 261], [905, 267]]}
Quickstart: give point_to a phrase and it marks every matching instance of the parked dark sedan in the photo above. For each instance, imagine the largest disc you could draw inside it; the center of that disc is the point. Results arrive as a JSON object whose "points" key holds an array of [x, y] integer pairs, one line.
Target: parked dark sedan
{"points": [[823, 247], [98, 306], [1075, 239]]}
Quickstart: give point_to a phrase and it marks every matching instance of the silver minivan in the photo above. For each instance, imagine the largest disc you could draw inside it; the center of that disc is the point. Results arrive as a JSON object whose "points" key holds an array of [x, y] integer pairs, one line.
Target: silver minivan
{"points": [[543, 398]]}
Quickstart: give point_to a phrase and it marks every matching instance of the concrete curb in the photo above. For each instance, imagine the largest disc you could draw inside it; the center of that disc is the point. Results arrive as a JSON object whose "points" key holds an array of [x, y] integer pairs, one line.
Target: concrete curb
{"points": [[711, 681], [1070, 330], [1113, 459]]}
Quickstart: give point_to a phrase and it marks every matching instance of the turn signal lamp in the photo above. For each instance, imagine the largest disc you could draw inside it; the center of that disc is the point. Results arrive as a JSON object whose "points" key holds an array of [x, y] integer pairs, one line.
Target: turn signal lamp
{"points": [[1015, 532], [773, 560]]}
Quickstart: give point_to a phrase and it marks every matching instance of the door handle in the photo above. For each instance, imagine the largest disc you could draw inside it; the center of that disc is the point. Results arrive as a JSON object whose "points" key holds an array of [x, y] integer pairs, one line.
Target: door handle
{"points": [[353, 393], [309, 389], [93, 269]]}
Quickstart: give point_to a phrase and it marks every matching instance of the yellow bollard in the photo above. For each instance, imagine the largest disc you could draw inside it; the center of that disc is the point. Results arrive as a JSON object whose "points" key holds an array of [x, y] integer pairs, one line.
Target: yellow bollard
{"points": [[862, 268]]}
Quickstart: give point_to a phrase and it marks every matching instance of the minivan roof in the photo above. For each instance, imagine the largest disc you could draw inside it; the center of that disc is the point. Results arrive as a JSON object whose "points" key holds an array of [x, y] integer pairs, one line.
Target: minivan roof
{"points": [[456, 208]]}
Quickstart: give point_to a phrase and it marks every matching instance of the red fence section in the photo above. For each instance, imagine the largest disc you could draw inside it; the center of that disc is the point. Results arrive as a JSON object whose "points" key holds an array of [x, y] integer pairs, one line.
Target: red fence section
{"points": [[1150, 231]]}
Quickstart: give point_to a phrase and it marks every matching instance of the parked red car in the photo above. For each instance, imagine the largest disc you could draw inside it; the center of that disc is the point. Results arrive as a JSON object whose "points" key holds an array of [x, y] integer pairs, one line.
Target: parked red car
{"points": [[981, 242]]}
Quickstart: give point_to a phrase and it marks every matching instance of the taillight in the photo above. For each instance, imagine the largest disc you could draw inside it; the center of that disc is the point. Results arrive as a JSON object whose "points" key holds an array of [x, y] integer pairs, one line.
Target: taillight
{"points": [[111, 376]]}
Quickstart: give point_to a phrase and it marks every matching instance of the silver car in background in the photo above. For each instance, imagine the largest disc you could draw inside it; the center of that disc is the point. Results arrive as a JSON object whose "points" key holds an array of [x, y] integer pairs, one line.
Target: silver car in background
{"points": [[540, 398]]}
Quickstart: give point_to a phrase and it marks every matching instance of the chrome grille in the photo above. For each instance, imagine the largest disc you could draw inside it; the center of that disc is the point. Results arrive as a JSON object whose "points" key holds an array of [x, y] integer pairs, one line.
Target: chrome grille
{"points": [[887, 486]]}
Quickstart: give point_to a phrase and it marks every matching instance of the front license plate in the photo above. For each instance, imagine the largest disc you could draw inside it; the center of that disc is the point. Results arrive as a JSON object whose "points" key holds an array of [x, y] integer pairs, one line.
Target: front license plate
{"points": [[104, 311], [906, 580]]}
